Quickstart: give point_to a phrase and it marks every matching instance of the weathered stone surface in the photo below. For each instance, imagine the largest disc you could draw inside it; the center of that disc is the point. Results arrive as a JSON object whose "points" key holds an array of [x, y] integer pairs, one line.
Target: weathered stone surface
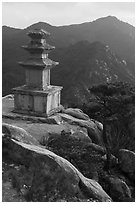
{"points": [[76, 132], [18, 134], [98, 124], [55, 119], [7, 112], [118, 189], [52, 173], [95, 147], [44, 99], [94, 132], [127, 161], [77, 113]]}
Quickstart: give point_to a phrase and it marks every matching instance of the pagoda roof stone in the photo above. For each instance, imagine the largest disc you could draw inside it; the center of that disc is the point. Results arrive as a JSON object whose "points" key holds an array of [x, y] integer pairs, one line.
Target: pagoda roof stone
{"points": [[38, 33], [39, 63], [42, 46]]}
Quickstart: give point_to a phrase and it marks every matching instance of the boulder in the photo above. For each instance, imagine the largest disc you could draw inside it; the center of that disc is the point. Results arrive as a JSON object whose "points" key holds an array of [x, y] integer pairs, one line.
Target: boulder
{"points": [[98, 124], [93, 127], [55, 119], [80, 134], [118, 189], [18, 134], [52, 174], [126, 160], [74, 132], [96, 148], [77, 113]]}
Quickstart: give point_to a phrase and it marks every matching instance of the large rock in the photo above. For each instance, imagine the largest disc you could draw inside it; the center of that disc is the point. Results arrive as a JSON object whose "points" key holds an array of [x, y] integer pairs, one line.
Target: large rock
{"points": [[81, 134], [52, 173], [127, 162], [93, 127], [76, 132], [77, 113], [118, 189], [18, 134], [96, 148], [73, 132], [54, 119]]}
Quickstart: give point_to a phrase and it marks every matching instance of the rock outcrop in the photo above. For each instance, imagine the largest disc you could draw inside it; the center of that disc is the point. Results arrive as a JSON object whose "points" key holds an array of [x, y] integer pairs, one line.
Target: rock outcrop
{"points": [[127, 162], [118, 189], [75, 132], [77, 113], [19, 134], [96, 147], [51, 173], [75, 171], [93, 127]]}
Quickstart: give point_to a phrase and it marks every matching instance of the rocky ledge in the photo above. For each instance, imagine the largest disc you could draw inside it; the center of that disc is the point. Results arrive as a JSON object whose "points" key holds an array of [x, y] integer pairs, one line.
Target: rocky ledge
{"points": [[61, 158]]}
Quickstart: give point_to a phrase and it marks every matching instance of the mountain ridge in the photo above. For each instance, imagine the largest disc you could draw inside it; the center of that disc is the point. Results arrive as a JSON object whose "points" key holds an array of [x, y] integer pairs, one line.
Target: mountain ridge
{"points": [[65, 39], [101, 29], [73, 24], [85, 64]]}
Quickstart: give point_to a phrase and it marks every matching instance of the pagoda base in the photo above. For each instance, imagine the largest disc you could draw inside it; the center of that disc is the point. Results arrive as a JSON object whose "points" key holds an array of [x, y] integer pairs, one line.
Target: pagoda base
{"points": [[31, 113], [37, 102]]}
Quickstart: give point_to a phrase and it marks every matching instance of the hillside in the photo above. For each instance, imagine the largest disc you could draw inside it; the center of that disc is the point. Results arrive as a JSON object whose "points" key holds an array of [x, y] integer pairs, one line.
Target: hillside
{"points": [[85, 64], [81, 66], [88, 53], [118, 35]]}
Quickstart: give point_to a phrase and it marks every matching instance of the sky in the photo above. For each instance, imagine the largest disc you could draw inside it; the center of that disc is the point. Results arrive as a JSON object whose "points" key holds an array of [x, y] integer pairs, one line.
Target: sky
{"points": [[23, 14]]}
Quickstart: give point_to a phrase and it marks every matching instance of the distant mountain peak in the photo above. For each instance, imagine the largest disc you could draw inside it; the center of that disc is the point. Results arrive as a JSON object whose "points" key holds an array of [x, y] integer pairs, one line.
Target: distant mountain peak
{"points": [[111, 17], [39, 25], [108, 19]]}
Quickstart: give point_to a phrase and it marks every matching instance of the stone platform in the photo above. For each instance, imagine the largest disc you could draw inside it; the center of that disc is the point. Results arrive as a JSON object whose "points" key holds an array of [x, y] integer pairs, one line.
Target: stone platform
{"points": [[8, 112], [37, 102]]}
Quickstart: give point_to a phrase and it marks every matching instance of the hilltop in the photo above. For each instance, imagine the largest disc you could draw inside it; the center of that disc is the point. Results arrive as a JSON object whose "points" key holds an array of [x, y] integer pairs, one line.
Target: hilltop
{"points": [[65, 148]]}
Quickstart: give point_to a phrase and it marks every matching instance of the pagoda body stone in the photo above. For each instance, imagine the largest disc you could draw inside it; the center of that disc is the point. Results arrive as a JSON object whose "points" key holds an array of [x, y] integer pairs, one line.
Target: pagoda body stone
{"points": [[37, 96]]}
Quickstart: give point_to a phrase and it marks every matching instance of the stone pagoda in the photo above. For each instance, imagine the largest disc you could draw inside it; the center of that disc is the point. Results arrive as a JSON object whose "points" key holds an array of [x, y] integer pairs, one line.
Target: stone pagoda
{"points": [[37, 97]]}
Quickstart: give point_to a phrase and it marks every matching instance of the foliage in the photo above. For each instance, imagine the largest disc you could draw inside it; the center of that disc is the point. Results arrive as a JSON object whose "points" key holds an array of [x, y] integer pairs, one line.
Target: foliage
{"points": [[114, 107], [83, 156]]}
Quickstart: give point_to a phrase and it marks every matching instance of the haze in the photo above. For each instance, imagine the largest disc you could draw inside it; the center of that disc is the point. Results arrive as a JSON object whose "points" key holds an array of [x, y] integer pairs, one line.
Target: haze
{"points": [[23, 14]]}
